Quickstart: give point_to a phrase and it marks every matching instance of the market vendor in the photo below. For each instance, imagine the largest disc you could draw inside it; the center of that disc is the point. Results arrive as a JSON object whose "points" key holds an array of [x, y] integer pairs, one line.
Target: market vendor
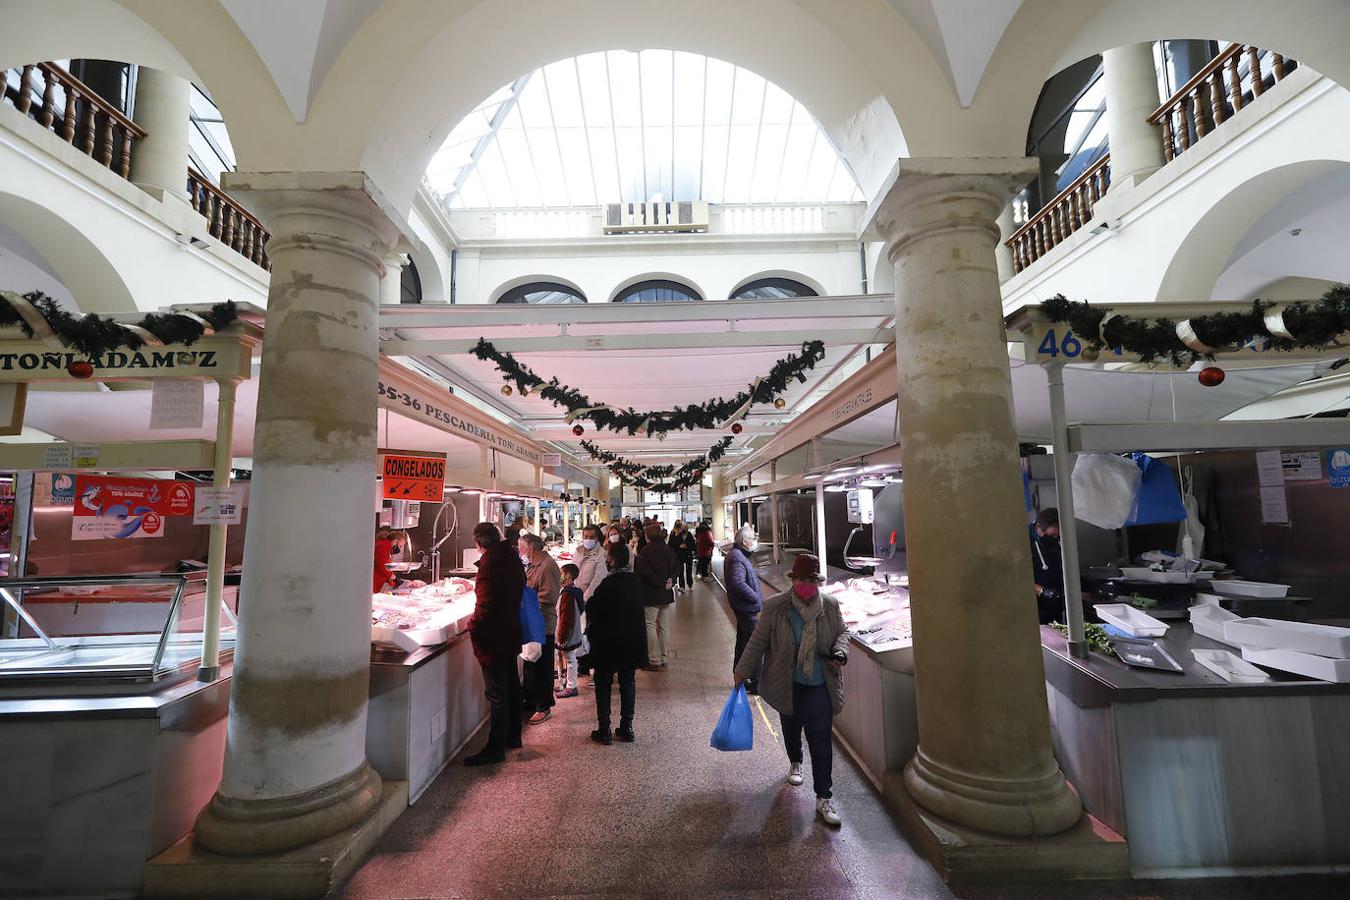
{"points": [[1047, 566]]}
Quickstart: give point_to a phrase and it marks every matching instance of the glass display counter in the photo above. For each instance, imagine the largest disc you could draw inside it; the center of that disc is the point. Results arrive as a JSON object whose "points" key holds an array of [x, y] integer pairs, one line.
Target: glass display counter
{"points": [[105, 628]]}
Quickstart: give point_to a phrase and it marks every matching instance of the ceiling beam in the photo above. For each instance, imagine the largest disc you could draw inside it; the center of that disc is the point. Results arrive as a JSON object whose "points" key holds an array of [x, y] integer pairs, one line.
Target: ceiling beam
{"points": [[662, 341]]}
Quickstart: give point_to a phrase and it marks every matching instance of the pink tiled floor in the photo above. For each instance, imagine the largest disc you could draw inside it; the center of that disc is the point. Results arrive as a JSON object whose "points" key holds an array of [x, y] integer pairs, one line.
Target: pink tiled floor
{"points": [[665, 816]]}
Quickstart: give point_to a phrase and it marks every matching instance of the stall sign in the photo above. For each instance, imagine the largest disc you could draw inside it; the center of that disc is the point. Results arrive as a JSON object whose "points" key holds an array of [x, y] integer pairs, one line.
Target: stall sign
{"points": [[121, 508], [413, 478], [218, 505], [1338, 467], [177, 403], [1305, 466], [63, 488]]}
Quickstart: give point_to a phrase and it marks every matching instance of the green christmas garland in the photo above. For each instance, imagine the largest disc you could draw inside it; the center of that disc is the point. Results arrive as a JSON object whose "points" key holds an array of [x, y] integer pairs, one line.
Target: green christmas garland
{"points": [[629, 471], [94, 335], [712, 414], [1312, 326]]}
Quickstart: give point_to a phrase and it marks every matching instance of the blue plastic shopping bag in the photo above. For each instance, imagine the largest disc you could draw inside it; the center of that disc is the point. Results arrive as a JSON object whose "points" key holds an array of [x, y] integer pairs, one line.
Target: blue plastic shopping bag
{"points": [[532, 630], [735, 726], [1158, 500]]}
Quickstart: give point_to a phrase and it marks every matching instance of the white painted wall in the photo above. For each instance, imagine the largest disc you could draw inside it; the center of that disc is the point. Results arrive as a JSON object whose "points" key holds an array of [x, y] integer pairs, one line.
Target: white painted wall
{"points": [[112, 246]]}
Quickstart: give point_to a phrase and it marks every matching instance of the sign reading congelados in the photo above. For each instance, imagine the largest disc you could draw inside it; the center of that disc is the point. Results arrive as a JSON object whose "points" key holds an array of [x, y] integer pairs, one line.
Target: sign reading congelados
{"points": [[415, 404], [413, 478]]}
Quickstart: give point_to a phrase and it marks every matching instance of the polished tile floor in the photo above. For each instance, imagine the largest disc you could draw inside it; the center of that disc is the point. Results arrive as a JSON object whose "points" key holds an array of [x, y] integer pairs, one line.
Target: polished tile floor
{"points": [[670, 817]]}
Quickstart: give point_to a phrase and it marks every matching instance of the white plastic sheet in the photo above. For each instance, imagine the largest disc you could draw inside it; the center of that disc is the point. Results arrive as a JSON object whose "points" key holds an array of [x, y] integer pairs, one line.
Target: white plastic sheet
{"points": [[1104, 489]]}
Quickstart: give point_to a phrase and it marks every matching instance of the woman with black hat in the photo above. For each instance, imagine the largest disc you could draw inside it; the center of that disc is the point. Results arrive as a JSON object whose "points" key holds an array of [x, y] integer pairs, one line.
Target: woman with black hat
{"points": [[803, 642]]}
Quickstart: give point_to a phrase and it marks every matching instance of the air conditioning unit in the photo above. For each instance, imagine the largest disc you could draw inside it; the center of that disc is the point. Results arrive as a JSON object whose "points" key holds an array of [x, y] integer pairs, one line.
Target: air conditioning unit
{"points": [[656, 217]]}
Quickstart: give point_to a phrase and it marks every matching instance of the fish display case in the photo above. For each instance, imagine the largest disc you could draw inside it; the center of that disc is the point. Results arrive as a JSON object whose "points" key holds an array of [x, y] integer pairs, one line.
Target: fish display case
{"points": [[106, 628]]}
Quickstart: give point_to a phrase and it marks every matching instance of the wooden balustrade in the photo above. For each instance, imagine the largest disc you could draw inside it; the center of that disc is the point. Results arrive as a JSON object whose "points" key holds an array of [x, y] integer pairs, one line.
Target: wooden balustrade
{"points": [[72, 110], [1215, 94], [1067, 212], [227, 221]]}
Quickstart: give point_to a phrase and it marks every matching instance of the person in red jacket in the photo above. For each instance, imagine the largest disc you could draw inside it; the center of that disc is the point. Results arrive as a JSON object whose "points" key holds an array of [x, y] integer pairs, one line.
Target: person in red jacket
{"points": [[494, 629], [703, 550]]}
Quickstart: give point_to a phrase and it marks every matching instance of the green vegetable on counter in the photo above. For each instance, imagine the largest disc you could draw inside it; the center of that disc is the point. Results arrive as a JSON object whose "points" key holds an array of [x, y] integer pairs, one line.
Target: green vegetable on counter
{"points": [[1097, 637], [1139, 601]]}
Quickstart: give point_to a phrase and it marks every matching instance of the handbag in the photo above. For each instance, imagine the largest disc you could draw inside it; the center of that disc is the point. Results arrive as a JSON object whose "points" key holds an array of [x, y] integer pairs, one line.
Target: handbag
{"points": [[532, 630], [735, 728]]}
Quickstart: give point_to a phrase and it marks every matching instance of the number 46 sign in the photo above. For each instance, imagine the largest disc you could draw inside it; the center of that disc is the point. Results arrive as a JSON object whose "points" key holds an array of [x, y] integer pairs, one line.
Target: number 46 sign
{"points": [[1052, 346]]}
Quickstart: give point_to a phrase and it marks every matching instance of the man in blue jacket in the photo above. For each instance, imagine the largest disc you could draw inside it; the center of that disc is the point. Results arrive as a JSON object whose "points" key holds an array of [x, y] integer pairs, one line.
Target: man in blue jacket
{"points": [[744, 595]]}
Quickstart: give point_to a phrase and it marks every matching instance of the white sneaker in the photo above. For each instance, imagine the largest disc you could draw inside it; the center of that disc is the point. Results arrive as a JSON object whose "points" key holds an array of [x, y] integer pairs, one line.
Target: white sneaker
{"points": [[795, 774], [825, 809]]}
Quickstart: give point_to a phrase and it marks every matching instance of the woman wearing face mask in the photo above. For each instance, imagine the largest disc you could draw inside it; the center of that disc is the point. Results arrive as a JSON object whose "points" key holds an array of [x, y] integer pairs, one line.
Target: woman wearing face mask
{"points": [[590, 561], [802, 642]]}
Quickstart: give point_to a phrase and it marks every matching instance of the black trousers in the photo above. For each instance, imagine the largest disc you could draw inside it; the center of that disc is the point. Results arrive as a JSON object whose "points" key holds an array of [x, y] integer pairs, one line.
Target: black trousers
{"points": [[686, 571], [812, 713], [745, 626], [704, 566], [501, 686], [538, 685], [604, 677]]}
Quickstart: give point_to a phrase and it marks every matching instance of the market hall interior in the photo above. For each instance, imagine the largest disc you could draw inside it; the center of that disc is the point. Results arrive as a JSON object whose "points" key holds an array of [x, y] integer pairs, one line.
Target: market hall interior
{"points": [[282, 286]]}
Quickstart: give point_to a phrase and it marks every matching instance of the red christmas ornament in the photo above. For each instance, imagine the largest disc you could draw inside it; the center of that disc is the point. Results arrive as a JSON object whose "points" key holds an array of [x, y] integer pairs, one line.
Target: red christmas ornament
{"points": [[1212, 376], [737, 428], [81, 368], [578, 430]]}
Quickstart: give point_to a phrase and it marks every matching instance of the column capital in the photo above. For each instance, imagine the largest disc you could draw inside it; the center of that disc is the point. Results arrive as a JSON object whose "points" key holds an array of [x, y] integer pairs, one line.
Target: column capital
{"points": [[339, 211], [917, 196]]}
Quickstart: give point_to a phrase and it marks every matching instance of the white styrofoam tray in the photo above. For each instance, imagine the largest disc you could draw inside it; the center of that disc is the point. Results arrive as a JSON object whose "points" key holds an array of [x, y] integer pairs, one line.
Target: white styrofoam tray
{"points": [[1236, 588], [1130, 620], [1207, 620], [1140, 573], [1229, 666], [1309, 664], [1321, 640]]}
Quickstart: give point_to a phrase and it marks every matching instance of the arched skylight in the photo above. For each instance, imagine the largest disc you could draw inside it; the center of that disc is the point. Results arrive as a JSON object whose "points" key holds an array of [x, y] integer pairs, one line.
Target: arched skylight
{"points": [[624, 126]]}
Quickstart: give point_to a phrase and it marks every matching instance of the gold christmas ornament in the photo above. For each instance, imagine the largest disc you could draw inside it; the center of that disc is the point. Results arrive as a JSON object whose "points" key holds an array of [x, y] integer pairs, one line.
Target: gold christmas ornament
{"points": [[779, 403], [506, 390], [1090, 355]]}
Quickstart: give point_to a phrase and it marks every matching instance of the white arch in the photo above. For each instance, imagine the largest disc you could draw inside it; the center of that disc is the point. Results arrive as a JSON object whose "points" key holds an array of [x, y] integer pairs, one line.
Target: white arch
{"points": [[522, 280], [657, 276], [807, 280], [88, 271]]}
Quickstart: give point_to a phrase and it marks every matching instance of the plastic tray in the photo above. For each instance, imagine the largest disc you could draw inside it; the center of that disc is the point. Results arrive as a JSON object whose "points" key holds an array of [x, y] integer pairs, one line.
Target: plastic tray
{"points": [[1308, 664], [1320, 640], [1229, 666], [1207, 619], [1130, 620], [1235, 588], [1139, 573]]}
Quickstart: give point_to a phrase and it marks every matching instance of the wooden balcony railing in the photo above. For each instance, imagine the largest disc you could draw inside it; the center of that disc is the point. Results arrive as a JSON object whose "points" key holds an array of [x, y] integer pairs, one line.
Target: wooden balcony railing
{"points": [[1218, 92], [227, 221], [1067, 212], [69, 108]]}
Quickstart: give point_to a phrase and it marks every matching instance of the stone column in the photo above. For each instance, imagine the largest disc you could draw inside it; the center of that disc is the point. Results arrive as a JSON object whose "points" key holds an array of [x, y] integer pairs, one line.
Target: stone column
{"points": [[160, 159], [719, 511], [391, 284], [984, 759], [295, 761], [1003, 253], [1131, 81]]}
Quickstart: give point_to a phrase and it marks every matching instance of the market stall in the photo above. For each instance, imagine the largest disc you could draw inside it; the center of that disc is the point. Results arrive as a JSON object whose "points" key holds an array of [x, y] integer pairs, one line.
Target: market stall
{"points": [[1197, 699]]}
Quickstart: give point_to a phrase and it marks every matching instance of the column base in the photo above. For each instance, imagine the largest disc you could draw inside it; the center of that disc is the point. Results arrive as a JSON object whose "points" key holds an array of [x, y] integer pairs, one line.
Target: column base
{"points": [[1088, 850], [233, 827], [315, 870], [1022, 808]]}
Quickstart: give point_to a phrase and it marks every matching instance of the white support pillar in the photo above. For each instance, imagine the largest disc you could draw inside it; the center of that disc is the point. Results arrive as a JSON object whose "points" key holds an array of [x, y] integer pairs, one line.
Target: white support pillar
{"points": [[719, 506], [820, 522], [985, 759], [1068, 533], [295, 767], [215, 553], [1003, 253], [1131, 82], [391, 284], [159, 161]]}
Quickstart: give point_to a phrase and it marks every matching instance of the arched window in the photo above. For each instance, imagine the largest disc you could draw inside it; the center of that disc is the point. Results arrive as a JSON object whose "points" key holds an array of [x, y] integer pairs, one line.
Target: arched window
{"points": [[542, 292], [410, 284], [657, 291], [773, 289]]}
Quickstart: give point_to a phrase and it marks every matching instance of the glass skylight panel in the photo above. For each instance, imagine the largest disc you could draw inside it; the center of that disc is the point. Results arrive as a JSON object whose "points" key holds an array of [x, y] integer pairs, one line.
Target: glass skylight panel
{"points": [[620, 126]]}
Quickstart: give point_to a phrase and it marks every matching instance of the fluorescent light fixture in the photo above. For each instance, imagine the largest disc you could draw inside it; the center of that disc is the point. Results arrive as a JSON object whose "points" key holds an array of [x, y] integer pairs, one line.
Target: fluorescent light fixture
{"points": [[836, 488], [452, 490], [472, 491]]}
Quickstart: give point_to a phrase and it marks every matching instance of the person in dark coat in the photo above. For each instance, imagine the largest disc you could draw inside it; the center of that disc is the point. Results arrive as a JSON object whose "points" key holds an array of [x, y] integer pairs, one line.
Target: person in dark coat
{"points": [[744, 596], [1047, 565], [682, 542], [656, 566], [494, 629], [617, 631]]}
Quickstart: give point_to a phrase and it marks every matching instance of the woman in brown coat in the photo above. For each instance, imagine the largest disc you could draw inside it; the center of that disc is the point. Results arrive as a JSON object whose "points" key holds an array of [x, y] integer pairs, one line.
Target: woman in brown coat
{"points": [[803, 642]]}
